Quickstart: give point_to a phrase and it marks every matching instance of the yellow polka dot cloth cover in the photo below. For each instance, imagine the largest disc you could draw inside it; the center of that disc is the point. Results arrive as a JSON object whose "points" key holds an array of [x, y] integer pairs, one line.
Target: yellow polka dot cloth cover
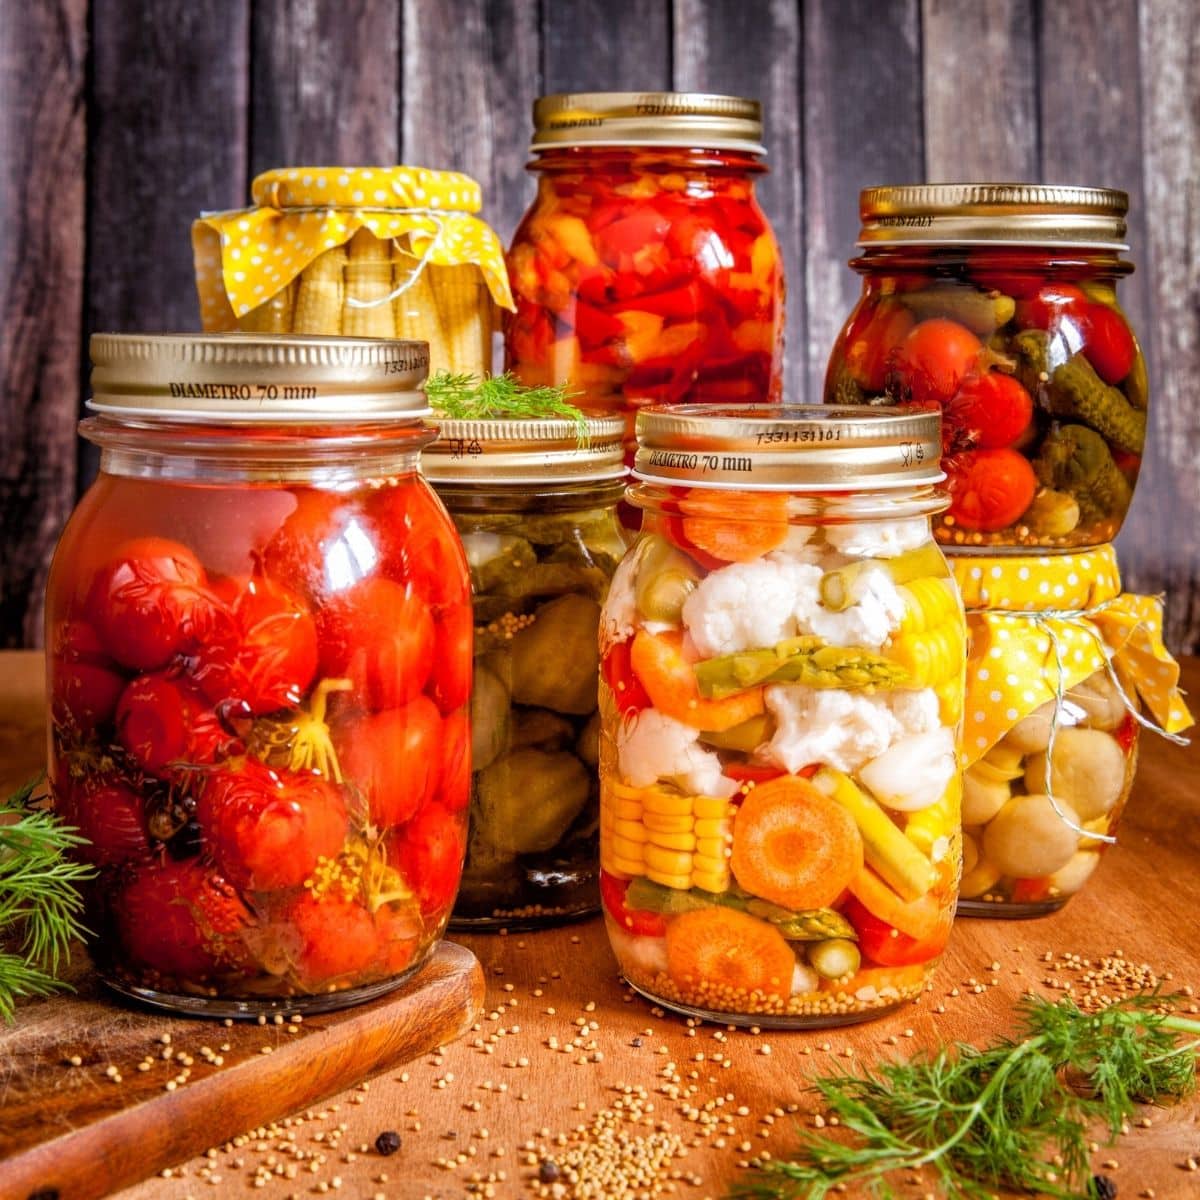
{"points": [[358, 252], [1026, 616]]}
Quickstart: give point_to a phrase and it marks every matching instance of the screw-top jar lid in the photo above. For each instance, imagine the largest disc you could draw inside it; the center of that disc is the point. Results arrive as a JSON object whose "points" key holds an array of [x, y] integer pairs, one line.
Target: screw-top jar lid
{"points": [[799, 447], [536, 451], [1014, 213], [249, 378], [699, 120]]}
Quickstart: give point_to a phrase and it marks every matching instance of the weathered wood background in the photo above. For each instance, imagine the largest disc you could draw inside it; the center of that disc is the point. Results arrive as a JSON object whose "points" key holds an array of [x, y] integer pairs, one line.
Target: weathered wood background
{"points": [[121, 119]]}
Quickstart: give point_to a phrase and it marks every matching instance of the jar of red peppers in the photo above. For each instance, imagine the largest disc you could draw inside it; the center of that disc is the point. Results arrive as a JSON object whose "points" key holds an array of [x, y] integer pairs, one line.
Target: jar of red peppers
{"points": [[997, 304], [782, 661], [535, 503], [259, 623], [645, 271]]}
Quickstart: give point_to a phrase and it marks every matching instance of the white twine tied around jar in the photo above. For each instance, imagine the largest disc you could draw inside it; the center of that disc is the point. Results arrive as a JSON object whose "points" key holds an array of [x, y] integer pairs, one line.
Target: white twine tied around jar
{"points": [[1080, 618]]}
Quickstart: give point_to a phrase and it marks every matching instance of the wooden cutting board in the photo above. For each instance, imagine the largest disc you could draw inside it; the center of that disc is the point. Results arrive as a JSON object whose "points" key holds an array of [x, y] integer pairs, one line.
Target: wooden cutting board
{"points": [[81, 1131]]}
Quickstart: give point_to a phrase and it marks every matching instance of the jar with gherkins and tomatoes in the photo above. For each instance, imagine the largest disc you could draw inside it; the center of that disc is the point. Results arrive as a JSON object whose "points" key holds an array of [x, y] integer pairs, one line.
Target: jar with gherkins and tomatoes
{"points": [[535, 502], [782, 663], [259, 666], [997, 304], [645, 271]]}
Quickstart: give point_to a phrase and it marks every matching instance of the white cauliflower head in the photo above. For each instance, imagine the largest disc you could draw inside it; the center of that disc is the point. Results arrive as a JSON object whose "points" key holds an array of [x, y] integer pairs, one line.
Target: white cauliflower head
{"points": [[879, 539], [652, 746]]}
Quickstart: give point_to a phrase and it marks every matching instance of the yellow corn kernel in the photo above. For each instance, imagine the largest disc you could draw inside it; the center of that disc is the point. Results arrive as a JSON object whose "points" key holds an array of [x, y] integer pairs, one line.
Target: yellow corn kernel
{"points": [[711, 881], [319, 294], [710, 827], [628, 849], [674, 841], [950, 701], [932, 656], [939, 820], [634, 831], [681, 883], [369, 281], [273, 315], [712, 847], [711, 807], [465, 313], [625, 810], [706, 864], [625, 790], [928, 603], [626, 866], [659, 824], [666, 804], [667, 862]]}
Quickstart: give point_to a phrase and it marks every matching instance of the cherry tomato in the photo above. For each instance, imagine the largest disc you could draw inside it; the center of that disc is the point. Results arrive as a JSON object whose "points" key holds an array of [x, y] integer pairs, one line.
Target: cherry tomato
{"points": [[429, 853], [450, 682], [182, 919], [454, 777], [394, 757], [617, 670], [990, 411], [338, 938], [398, 929], [637, 921], [269, 657], [165, 722], [934, 359], [989, 489], [1127, 734], [883, 944], [1031, 891], [87, 682], [1012, 272], [110, 814], [322, 547], [871, 349], [266, 827], [1051, 305], [380, 635], [1108, 343], [150, 602]]}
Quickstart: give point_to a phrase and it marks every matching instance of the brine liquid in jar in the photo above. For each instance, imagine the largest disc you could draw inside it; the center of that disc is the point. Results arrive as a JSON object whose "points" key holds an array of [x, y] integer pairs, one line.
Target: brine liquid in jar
{"points": [[257, 678], [782, 680]]}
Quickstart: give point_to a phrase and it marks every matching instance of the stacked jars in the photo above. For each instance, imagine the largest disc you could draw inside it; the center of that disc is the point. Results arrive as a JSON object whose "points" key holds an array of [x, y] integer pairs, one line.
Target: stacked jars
{"points": [[535, 503], [782, 657], [645, 271], [996, 305], [258, 675]]}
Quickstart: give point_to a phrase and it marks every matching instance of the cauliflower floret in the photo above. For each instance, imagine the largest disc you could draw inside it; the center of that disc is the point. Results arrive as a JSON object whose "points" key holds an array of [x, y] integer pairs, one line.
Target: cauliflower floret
{"points": [[879, 539], [653, 746], [841, 729], [797, 544], [875, 613], [747, 606], [913, 773], [915, 711], [620, 607]]}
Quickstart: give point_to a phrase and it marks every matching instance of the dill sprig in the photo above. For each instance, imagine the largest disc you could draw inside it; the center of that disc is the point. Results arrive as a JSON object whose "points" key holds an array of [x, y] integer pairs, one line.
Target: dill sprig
{"points": [[40, 906], [1012, 1115], [469, 398]]}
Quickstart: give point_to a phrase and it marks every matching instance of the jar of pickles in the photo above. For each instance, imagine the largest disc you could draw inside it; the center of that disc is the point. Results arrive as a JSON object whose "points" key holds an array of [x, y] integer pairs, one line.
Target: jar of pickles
{"points": [[645, 271], [258, 623], [534, 501], [782, 657], [997, 304]]}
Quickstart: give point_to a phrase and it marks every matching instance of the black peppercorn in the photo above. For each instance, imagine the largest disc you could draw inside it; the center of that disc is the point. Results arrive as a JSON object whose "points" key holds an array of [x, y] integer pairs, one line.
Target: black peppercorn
{"points": [[548, 1172], [1102, 1187], [388, 1142]]}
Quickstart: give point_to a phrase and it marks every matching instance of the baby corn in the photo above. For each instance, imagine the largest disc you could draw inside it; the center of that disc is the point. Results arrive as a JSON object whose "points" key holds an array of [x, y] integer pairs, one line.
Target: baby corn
{"points": [[369, 283], [319, 298]]}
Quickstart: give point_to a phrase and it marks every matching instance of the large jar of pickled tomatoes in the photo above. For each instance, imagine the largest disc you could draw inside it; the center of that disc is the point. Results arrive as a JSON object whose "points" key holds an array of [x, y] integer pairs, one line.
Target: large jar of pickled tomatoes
{"points": [[259, 633], [645, 271], [997, 304], [535, 502], [782, 662]]}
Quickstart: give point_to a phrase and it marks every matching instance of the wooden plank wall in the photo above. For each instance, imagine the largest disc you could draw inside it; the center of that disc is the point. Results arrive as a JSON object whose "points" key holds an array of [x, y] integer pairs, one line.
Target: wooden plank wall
{"points": [[120, 121]]}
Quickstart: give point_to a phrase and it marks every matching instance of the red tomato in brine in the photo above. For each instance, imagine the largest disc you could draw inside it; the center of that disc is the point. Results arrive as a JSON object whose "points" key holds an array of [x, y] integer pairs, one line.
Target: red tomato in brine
{"points": [[638, 921], [454, 777], [86, 681], [429, 852], [884, 944], [450, 683], [934, 359], [420, 544]]}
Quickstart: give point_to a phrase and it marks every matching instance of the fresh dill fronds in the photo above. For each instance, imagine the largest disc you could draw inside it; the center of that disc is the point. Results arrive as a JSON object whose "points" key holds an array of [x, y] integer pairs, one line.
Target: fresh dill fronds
{"points": [[1012, 1115], [469, 398], [40, 906]]}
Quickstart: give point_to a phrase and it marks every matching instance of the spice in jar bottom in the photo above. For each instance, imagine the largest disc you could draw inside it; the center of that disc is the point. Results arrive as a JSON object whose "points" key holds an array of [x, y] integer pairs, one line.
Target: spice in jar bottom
{"points": [[1017, 849], [261, 730], [779, 781]]}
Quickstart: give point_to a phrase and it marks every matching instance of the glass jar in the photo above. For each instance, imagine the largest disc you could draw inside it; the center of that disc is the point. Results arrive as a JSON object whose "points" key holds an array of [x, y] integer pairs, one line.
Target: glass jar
{"points": [[645, 272], [782, 683], [259, 629], [374, 252], [535, 504], [997, 304], [1064, 669]]}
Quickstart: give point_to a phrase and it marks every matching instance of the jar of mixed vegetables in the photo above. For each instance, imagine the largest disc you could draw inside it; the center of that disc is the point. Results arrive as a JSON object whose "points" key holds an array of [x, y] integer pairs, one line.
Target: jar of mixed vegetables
{"points": [[1062, 667], [645, 271], [535, 503], [782, 657], [259, 635], [997, 304]]}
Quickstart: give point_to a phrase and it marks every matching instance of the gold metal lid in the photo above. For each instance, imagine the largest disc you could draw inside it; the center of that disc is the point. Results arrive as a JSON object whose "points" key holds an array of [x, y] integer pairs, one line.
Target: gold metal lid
{"points": [[534, 451], [1014, 213], [700, 120], [248, 378], [798, 447]]}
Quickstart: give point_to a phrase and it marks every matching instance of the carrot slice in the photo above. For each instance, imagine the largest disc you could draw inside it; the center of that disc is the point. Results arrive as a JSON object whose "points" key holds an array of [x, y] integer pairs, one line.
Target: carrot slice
{"points": [[735, 526], [917, 918], [670, 682], [729, 951], [795, 846], [903, 979]]}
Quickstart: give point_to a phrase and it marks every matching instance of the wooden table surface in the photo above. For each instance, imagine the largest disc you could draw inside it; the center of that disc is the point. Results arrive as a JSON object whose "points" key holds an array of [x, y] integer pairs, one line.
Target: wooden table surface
{"points": [[563, 1043]]}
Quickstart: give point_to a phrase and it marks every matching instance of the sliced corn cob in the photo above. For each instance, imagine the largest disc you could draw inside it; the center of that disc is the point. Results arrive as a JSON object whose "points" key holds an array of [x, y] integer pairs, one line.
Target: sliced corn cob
{"points": [[928, 603], [464, 310], [932, 656], [416, 313], [369, 280], [273, 315], [930, 829], [319, 295]]}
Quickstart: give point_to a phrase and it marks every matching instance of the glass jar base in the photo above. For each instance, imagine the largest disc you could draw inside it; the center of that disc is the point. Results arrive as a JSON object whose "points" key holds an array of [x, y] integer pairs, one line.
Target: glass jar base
{"points": [[1005, 910], [768, 1020], [249, 1008]]}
